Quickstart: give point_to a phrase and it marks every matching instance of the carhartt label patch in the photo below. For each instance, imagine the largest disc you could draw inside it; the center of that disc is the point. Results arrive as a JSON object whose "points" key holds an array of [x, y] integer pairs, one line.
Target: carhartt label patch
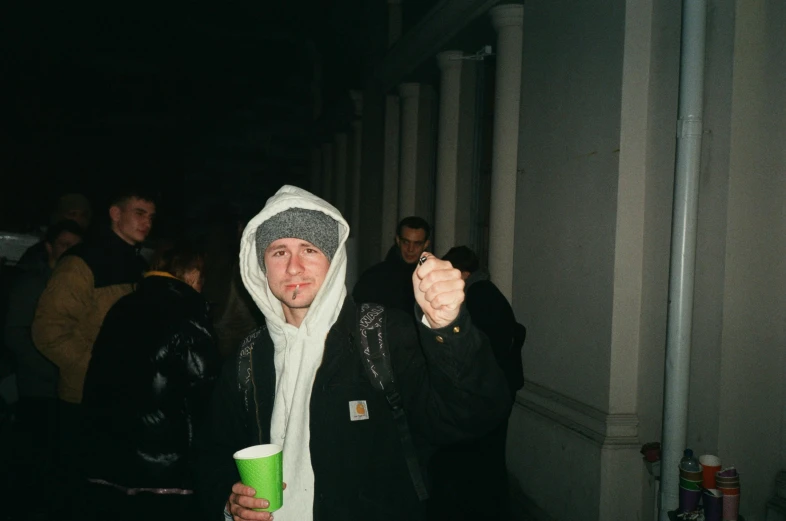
{"points": [[358, 410]]}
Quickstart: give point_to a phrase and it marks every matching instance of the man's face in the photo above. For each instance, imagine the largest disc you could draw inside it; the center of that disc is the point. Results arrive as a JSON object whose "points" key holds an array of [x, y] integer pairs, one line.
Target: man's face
{"points": [[412, 243], [132, 220], [63, 242], [295, 270]]}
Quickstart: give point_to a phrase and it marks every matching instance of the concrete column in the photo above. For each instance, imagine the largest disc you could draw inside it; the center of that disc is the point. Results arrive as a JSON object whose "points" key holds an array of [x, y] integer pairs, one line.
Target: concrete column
{"points": [[341, 173], [390, 172], [327, 172], [316, 170], [407, 186], [357, 154], [394, 21], [449, 63], [508, 21], [352, 212]]}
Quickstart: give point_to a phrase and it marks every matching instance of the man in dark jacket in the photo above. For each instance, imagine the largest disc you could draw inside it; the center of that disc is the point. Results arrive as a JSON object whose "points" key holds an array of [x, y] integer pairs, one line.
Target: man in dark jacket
{"points": [[492, 314], [147, 388], [36, 376], [300, 381], [389, 282]]}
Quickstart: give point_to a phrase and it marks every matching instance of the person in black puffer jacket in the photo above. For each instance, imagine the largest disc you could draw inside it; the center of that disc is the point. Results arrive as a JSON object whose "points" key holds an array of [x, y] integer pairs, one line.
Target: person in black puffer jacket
{"points": [[152, 370]]}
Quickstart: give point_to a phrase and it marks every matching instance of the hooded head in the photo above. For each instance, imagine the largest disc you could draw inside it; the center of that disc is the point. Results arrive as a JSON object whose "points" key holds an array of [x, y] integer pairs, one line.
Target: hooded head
{"points": [[293, 257], [312, 226]]}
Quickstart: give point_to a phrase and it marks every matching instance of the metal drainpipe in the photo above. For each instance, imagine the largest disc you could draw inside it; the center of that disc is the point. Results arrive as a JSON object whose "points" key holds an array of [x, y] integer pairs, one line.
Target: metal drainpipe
{"points": [[683, 251]]}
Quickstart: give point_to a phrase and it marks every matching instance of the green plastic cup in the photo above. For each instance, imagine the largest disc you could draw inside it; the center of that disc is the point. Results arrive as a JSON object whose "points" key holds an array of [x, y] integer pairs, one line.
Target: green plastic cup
{"points": [[261, 467]]}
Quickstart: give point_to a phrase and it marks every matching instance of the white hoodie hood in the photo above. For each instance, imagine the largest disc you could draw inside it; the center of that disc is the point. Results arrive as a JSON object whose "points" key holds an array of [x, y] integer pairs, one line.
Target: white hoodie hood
{"points": [[298, 351]]}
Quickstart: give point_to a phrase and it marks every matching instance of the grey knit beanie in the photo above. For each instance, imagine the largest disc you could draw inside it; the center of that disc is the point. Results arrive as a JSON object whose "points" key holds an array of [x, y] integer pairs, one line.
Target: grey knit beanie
{"points": [[313, 226]]}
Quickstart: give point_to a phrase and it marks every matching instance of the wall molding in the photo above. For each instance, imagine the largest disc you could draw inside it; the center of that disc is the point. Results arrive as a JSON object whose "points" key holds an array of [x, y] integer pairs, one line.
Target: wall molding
{"points": [[608, 431], [427, 38]]}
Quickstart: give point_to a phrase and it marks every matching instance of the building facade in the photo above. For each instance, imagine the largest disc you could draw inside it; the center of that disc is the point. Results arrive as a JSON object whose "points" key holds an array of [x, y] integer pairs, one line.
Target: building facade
{"points": [[555, 158]]}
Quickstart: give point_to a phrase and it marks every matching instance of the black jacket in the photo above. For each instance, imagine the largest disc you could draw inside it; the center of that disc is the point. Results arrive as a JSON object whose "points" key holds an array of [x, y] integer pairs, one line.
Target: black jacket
{"points": [[35, 375], [451, 389], [388, 283], [153, 367], [492, 314]]}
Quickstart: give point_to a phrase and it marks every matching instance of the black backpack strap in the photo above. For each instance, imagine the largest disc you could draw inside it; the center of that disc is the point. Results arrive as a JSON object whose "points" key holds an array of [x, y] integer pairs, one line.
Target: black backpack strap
{"points": [[376, 361]]}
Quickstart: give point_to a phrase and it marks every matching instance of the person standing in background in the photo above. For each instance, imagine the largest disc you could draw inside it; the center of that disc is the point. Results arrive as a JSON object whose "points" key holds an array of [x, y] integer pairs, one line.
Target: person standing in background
{"points": [[490, 312], [388, 283], [86, 282], [36, 377], [146, 392]]}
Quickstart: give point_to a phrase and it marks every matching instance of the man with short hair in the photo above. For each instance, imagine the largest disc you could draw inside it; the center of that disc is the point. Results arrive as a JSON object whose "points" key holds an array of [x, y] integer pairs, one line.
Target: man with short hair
{"points": [[387, 283], [86, 282], [300, 381]]}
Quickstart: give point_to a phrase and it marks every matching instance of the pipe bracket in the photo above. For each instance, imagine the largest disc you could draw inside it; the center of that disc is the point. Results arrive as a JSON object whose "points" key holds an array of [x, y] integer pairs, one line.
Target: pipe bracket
{"points": [[689, 127]]}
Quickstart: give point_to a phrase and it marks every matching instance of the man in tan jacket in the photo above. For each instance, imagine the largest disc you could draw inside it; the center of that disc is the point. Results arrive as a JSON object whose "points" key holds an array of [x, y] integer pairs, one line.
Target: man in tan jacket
{"points": [[85, 283]]}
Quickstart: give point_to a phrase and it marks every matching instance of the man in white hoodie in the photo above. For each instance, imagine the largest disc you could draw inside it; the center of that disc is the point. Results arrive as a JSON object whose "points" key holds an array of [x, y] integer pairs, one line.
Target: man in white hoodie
{"points": [[300, 381]]}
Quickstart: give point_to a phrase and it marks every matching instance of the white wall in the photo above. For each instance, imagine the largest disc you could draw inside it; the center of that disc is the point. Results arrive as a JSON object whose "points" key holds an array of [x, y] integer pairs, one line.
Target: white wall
{"points": [[664, 75], [559, 469], [569, 149], [753, 336], [565, 252], [569, 235]]}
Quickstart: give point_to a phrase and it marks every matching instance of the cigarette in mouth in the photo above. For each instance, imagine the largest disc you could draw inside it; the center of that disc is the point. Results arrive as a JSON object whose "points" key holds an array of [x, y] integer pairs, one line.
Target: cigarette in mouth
{"points": [[294, 293]]}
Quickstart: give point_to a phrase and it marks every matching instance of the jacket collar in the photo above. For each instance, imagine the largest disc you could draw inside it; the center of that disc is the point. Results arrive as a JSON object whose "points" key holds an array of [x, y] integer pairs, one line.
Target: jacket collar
{"points": [[109, 238], [168, 292]]}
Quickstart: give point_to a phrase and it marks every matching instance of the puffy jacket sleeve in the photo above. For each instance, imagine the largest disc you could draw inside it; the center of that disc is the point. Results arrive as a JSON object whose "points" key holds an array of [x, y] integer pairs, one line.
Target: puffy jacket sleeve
{"points": [[452, 387], [64, 304]]}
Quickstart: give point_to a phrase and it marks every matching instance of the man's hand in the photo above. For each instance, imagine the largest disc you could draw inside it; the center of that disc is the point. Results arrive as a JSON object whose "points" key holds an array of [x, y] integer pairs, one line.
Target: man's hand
{"points": [[439, 290], [242, 504]]}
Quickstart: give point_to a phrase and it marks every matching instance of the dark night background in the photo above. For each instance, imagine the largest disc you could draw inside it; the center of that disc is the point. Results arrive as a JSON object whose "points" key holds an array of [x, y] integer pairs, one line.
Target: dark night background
{"points": [[209, 102]]}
